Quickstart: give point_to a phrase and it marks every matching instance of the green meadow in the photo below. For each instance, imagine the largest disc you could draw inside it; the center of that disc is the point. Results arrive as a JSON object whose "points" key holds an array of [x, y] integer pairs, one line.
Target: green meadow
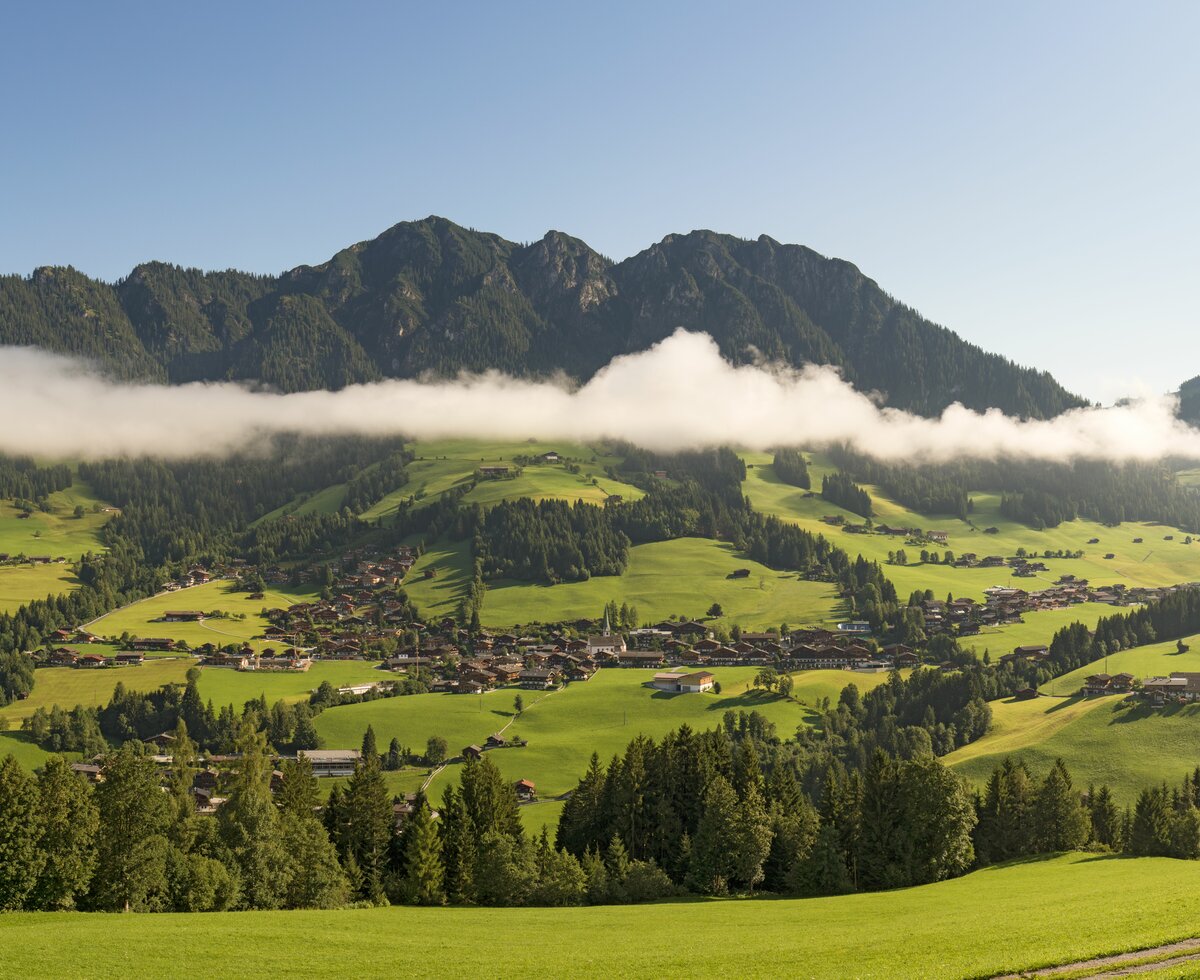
{"points": [[681, 577], [1038, 627], [143, 618], [1005, 919], [1154, 561], [444, 464], [1101, 739], [20, 584], [565, 727], [57, 533]]}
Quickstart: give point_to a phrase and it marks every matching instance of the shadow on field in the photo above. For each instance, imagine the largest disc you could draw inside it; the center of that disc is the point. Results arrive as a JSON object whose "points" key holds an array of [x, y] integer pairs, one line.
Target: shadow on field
{"points": [[1066, 703]]}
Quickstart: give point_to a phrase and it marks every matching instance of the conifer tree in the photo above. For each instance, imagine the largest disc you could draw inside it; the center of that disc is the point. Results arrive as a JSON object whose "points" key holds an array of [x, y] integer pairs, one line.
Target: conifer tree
{"points": [[424, 872], [70, 822], [369, 820], [21, 829], [299, 794], [459, 848], [1061, 822]]}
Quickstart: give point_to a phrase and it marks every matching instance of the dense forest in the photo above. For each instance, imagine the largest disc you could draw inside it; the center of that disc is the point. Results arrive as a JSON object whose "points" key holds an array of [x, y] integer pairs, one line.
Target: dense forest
{"points": [[385, 308]]}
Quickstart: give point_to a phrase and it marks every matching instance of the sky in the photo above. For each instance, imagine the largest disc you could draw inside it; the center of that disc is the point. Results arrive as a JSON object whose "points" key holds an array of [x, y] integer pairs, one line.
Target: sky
{"points": [[1022, 173]]}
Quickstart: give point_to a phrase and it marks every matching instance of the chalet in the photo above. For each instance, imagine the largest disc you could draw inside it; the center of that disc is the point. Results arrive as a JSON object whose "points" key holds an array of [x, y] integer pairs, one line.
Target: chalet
{"points": [[1026, 694], [183, 616], [506, 673], [472, 752], [639, 658], [331, 762], [129, 658], [938, 537], [62, 657], [550, 457], [159, 644], [89, 771], [163, 740], [496, 741], [526, 790], [539, 678], [91, 660]]}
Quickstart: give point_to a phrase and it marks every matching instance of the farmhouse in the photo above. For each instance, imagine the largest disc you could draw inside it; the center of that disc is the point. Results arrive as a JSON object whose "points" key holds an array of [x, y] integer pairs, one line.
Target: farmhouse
{"points": [[539, 678], [331, 762], [182, 616], [681, 682], [526, 790]]}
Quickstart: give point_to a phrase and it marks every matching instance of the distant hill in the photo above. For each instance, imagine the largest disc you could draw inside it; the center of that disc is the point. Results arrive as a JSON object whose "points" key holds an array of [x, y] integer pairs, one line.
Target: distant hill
{"points": [[1189, 401], [433, 296]]}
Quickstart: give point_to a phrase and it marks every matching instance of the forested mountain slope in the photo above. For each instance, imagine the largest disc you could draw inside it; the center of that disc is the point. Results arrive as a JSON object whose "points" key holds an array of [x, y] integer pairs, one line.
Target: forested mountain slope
{"points": [[433, 296]]}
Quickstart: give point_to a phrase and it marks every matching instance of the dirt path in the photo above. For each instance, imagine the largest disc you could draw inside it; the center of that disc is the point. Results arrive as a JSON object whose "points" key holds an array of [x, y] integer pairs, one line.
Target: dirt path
{"points": [[1122, 964]]}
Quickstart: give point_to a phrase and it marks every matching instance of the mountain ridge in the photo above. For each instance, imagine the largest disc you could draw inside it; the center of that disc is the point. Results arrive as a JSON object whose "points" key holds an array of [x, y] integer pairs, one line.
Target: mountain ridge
{"points": [[433, 297]]}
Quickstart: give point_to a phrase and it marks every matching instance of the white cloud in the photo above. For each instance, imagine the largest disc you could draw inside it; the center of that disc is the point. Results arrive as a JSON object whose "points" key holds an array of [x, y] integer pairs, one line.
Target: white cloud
{"points": [[678, 394]]}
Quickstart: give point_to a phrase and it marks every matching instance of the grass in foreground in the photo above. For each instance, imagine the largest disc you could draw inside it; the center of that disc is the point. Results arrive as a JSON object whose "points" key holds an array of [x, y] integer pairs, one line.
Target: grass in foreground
{"points": [[999, 920]]}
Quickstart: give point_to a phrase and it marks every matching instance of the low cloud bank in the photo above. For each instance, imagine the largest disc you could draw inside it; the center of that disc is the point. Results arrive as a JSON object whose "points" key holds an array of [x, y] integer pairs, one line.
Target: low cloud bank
{"points": [[679, 394]]}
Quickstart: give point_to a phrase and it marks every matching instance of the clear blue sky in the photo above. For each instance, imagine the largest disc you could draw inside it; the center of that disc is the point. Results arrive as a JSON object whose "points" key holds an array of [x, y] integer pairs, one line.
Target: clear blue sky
{"points": [[1025, 173]]}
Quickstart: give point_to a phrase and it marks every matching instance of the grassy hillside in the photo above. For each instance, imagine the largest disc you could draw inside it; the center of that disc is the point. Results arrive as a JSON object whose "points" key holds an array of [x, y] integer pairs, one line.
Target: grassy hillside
{"points": [[681, 577], [142, 618], [57, 533], [564, 728], [443, 464], [1101, 740], [1003, 919], [1156, 561], [20, 584]]}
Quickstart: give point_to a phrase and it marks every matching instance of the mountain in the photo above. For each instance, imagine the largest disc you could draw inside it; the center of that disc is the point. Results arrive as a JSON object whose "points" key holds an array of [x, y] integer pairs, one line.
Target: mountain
{"points": [[1189, 401], [431, 296]]}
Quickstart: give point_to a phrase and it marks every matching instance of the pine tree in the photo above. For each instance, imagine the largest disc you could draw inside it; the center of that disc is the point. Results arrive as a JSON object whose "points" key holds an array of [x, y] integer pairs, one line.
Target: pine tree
{"points": [[882, 832], [458, 848], [370, 820], [1105, 818], [316, 879], [21, 830], [1061, 821], [712, 865], [70, 823], [751, 842], [131, 848], [489, 800], [824, 871], [249, 826], [1150, 834], [424, 871], [299, 794]]}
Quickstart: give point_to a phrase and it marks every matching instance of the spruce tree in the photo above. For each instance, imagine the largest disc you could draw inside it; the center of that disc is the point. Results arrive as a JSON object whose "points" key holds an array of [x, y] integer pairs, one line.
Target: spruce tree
{"points": [[459, 848], [751, 842], [131, 849], [21, 857], [299, 795], [369, 820], [249, 826], [1061, 821], [424, 872], [70, 823], [712, 866]]}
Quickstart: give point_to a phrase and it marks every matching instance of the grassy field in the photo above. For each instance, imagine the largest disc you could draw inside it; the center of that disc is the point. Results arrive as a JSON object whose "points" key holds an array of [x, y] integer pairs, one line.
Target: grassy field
{"points": [[23, 749], [19, 584], [682, 577], [142, 618], [444, 464], [1002, 919], [1155, 561], [1039, 627], [68, 686], [57, 533], [327, 501], [564, 728], [1102, 741]]}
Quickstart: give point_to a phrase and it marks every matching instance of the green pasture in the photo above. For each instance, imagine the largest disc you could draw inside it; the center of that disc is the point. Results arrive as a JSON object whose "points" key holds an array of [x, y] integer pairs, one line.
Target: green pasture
{"points": [[22, 748], [143, 618], [444, 464], [1038, 627], [93, 687], [1155, 561], [21, 584], [1102, 739], [326, 501], [681, 577], [57, 533], [224, 685], [1005, 919], [564, 727]]}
